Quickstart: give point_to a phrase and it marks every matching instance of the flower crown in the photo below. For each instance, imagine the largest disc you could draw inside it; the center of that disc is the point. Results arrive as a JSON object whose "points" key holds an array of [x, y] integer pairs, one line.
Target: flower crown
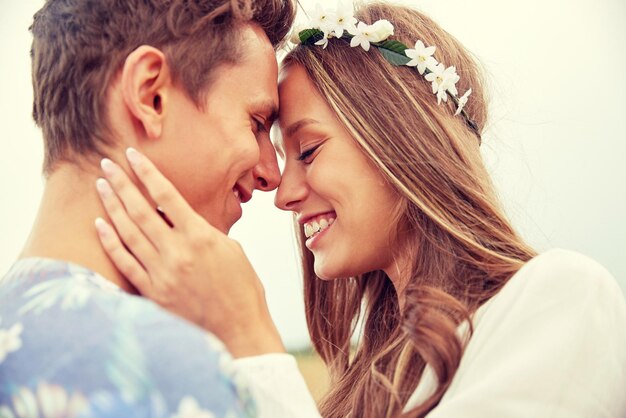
{"points": [[341, 24]]}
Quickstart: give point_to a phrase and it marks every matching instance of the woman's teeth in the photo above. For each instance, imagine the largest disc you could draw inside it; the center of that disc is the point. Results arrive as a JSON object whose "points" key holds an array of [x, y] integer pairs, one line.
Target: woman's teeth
{"points": [[312, 228], [236, 192]]}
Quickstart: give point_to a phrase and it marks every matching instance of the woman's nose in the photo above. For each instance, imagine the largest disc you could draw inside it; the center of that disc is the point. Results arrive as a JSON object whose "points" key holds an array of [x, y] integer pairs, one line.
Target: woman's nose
{"points": [[292, 190]]}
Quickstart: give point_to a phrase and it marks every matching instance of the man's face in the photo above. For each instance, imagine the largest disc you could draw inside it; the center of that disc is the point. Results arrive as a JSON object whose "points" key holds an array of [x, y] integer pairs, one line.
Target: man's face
{"points": [[217, 156]]}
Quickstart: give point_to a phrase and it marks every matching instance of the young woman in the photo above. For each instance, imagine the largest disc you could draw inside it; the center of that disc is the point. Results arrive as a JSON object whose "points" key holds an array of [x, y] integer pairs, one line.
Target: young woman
{"points": [[399, 225]]}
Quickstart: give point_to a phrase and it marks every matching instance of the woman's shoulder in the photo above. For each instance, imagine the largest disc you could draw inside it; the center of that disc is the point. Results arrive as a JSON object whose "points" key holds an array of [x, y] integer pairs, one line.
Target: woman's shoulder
{"points": [[559, 287], [567, 266], [551, 342], [561, 275]]}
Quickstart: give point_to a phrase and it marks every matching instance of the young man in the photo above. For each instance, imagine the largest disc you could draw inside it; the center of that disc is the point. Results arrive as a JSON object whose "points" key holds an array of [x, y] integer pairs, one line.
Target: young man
{"points": [[192, 84]]}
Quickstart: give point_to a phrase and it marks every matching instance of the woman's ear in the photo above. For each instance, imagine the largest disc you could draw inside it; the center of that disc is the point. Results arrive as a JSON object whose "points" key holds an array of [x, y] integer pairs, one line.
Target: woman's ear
{"points": [[145, 81]]}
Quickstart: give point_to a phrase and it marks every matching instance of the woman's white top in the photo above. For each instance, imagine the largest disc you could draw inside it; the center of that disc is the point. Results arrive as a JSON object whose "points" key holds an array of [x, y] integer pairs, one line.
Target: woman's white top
{"points": [[550, 344]]}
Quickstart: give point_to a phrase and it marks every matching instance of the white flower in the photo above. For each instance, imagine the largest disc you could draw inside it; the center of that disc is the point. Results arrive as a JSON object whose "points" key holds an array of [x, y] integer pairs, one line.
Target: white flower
{"points": [[5, 412], [25, 403], [462, 102], [342, 20], [10, 340], [70, 294], [321, 19], [443, 80], [189, 408], [324, 41], [51, 401], [421, 57], [450, 79], [54, 402], [294, 37], [382, 30], [363, 35]]}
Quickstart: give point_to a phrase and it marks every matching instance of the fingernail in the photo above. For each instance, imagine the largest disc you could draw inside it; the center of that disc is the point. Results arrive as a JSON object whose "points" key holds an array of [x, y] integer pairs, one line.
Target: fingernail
{"points": [[103, 188], [134, 157], [108, 166], [101, 227]]}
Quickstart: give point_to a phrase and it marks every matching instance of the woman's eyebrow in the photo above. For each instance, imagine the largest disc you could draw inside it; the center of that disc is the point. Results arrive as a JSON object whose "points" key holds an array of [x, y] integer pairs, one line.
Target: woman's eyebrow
{"points": [[292, 129]]}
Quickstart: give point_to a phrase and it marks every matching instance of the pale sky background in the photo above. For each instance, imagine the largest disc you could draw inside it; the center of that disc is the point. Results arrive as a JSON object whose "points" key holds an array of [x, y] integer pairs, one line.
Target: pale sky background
{"points": [[556, 144]]}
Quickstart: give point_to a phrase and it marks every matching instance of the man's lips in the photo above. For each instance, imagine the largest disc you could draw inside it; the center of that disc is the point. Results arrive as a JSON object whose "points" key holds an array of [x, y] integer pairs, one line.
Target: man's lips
{"points": [[242, 193]]}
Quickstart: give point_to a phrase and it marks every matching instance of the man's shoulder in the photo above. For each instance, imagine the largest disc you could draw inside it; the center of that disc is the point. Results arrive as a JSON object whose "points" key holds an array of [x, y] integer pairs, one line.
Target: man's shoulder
{"points": [[44, 292], [66, 327]]}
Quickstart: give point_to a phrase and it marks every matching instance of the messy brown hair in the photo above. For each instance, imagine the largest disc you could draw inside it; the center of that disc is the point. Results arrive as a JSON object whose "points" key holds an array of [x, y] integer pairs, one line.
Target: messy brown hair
{"points": [[462, 247], [80, 45]]}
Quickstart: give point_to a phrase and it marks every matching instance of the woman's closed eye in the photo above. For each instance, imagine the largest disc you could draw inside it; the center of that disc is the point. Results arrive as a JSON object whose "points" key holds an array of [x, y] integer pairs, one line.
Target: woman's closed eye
{"points": [[307, 156]]}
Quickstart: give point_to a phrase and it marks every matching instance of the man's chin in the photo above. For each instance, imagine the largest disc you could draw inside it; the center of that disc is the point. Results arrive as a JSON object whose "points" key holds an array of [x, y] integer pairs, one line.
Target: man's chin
{"points": [[224, 226], [219, 223]]}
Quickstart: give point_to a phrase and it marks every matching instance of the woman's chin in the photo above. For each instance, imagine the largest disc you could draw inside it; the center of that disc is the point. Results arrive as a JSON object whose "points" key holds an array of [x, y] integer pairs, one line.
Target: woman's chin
{"points": [[323, 271], [323, 276], [326, 272]]}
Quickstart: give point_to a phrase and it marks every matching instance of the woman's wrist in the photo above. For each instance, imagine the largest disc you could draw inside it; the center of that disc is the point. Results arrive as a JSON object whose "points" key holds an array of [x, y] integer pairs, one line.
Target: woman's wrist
{"points": [[261, 340], [252, 333]]}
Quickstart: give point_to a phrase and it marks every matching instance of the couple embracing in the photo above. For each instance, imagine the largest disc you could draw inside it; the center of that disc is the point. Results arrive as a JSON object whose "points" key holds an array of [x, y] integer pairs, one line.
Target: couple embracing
{"points": [[156, 118]]}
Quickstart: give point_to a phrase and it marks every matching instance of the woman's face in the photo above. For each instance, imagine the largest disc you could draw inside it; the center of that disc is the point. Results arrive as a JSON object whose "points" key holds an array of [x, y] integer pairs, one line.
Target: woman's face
{"points": [[341, 200]]}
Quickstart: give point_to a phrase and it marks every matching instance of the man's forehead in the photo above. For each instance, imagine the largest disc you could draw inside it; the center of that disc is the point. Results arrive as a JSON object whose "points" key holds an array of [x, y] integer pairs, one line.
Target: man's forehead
{"points": [[258, 70]]}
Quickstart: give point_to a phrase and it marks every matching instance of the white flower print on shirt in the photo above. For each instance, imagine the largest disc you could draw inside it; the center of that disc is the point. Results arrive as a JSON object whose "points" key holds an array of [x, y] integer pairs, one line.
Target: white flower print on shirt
{"points": [[189, 408], [49, 401], [70, 294], [10, 340]]}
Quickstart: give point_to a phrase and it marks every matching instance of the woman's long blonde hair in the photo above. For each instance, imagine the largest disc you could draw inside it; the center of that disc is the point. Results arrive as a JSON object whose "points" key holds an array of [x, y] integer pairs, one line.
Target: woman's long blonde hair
{"points": [[463, 249]]}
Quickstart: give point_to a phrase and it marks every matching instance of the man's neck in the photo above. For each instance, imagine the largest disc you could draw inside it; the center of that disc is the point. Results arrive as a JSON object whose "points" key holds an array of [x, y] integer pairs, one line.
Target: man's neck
{"points": [[64, 227]]}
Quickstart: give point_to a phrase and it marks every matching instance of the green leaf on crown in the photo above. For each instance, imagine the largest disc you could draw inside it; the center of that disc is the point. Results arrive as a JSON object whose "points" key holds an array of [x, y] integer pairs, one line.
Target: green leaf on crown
{"points": [[393, 51], [310, 36], [393, 45]]}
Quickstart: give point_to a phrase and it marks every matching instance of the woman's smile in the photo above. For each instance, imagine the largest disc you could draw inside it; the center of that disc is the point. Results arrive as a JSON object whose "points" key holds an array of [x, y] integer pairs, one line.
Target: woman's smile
{"points": [[316, 227]]}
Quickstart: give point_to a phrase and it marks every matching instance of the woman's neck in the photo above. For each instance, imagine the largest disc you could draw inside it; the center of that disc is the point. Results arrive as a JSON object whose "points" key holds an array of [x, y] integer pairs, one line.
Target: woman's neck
{"points": [[399, 273]]}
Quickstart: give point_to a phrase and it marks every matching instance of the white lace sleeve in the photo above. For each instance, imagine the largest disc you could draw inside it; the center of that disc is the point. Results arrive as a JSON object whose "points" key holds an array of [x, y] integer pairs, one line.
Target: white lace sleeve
{"points": [[278, 387]]}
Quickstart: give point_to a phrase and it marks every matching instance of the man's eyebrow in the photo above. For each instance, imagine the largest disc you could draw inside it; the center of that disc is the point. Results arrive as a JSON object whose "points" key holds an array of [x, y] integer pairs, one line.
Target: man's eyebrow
{"points": [[292, 129]]}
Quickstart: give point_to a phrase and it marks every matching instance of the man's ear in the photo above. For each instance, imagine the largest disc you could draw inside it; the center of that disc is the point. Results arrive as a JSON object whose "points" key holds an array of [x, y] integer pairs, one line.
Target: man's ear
{"points": [[145, 81]]}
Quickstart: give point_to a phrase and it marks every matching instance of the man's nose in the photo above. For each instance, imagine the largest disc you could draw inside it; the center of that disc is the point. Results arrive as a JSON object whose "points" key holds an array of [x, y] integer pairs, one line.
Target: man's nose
{"points": [[266, 173]]}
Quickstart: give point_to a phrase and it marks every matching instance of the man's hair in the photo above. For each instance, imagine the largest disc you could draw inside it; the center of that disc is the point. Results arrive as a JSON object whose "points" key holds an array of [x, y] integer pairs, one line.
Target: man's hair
{"points": [[80, 45]]}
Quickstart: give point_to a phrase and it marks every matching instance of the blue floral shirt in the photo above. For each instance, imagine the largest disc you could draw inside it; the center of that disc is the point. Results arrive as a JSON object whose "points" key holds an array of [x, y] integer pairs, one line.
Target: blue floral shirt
{"points": [[72, 344]]}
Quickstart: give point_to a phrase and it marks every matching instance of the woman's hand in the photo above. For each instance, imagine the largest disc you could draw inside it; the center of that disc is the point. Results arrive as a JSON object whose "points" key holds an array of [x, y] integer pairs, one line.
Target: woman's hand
{"points": [[180, 261]]}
